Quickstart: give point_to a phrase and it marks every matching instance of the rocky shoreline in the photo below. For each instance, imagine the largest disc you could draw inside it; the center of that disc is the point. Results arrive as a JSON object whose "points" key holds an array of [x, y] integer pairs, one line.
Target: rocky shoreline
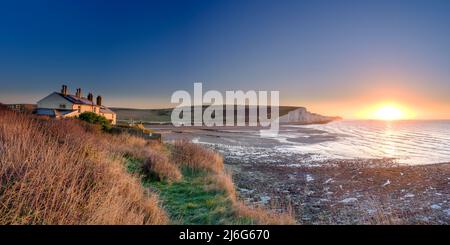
{"points": [[350, 191], [324, 191]]}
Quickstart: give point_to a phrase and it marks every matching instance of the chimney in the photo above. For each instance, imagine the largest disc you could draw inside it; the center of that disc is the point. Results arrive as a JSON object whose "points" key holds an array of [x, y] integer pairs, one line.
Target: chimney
{"points": [[99, 100], [64, 90], [78, 94], [90, 97]]}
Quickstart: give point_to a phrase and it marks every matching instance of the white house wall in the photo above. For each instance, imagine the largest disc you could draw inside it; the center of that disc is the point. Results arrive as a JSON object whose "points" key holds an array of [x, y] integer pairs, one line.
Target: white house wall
{"points": [[53, 101]]}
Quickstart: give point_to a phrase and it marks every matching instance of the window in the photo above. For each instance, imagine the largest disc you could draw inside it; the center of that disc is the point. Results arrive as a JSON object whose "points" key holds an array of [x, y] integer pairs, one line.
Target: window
{"points": [[62, 106], [79, 108]]}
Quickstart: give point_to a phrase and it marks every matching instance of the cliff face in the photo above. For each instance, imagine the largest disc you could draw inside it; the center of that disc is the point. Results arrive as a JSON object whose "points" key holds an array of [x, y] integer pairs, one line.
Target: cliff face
{"points": [[303, 116]]}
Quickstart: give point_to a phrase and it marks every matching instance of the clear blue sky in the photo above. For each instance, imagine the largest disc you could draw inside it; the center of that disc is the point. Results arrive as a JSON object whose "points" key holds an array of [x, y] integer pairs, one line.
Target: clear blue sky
{"points": [[136, 53]]}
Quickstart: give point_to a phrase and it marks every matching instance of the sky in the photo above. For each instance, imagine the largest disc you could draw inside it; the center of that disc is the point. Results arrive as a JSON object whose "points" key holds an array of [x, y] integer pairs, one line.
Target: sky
{"points": [[334, 57]]}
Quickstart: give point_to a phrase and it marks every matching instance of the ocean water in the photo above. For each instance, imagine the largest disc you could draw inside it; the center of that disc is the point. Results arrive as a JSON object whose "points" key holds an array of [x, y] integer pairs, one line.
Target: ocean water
{"points": [[410, 142]]}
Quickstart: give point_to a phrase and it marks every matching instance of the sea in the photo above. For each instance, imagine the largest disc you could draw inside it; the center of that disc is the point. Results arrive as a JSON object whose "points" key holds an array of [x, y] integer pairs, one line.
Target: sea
{"points": [[406, 142], [409, 142]]}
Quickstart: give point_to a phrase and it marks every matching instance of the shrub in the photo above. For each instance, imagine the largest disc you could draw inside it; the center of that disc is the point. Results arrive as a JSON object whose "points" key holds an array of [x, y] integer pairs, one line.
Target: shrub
{"points": [[94, 118]]}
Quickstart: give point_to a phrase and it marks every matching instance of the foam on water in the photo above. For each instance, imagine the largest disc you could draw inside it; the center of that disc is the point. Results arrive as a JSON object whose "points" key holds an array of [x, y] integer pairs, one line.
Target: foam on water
{"points": [[410, 142]]}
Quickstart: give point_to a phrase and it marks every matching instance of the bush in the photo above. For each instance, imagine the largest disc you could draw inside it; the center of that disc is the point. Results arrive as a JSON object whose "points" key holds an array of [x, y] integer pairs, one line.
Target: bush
{"points": [[94, 118]]}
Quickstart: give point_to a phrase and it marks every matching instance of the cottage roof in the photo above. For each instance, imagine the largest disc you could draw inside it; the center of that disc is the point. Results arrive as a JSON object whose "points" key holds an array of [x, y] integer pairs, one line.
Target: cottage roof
{"points": [[104, 109], [76, 100]]}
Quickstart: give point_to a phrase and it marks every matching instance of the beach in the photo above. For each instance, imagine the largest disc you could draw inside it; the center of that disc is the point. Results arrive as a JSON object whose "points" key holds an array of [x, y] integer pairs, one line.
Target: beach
{"points": [[284, 173]]}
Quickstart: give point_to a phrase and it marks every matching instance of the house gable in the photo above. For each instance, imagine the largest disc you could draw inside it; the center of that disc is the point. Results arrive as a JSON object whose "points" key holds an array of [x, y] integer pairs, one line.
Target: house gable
{"points": [[55, 101]]}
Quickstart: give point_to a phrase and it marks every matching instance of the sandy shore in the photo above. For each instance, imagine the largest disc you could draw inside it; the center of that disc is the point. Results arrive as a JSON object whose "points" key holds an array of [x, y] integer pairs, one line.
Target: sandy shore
{"points": [[318, 191]]}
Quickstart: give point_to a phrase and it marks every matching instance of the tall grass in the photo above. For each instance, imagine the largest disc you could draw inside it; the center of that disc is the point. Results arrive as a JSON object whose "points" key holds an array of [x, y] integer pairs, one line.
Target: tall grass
{"points": [[67, 172], [154, 158], [70, 172], [194, 156], [159, 165]]}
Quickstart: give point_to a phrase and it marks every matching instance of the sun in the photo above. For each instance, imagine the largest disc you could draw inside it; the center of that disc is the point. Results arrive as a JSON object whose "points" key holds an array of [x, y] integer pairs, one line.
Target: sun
{"points": [[389, 113]]}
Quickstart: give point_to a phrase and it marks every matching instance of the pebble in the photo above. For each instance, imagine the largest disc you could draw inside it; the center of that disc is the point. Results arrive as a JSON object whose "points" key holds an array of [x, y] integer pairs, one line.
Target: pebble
{"points": [[246, 190], [349, 200], [435, 206], [309, 178], [447, 211], [309, 193], [264, 199]]}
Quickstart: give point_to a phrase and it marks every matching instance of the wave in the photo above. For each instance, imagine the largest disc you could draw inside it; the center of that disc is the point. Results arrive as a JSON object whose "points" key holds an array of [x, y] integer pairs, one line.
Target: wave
{"points": [[412, 142]]}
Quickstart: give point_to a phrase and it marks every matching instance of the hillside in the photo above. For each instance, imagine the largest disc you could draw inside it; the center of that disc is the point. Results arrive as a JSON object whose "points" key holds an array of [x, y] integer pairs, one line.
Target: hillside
{"points": [[288, 114], [71, 172], [143, 115]]}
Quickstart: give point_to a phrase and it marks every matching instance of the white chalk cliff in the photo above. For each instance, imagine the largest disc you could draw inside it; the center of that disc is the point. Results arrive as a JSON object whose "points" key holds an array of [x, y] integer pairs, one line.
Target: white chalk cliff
{"points": [[302, 116]]}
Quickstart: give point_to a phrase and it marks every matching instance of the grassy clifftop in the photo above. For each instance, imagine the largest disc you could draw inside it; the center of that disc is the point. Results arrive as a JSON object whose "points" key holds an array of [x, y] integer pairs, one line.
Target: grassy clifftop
{"points": [[195, 187], [70, 172], [163, 115]]}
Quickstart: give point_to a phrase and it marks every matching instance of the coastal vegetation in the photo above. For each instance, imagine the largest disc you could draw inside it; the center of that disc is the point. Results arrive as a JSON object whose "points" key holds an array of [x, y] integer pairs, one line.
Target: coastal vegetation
{"points": [[72, 172], [94, 118], [196, 188]]}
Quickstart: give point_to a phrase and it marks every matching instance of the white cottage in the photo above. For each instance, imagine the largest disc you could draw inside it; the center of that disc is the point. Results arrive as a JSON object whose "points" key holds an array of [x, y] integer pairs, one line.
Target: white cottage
{"points": [[63, 104]]}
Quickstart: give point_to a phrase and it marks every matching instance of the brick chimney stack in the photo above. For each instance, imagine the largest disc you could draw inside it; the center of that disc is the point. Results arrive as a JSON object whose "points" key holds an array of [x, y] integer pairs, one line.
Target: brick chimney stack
{"points": [[64, 90], [99, 100], [90, 97], [78, 93]]}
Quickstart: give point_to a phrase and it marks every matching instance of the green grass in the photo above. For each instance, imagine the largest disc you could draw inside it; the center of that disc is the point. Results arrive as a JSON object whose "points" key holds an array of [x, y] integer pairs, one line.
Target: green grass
{"points": [[189, 201], [163, 115], [133, 165]]}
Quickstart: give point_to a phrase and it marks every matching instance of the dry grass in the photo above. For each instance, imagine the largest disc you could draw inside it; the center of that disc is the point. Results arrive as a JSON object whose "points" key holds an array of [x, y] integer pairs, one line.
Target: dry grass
{"points": [[129, 145], [155, 157], [69, 172], [159, 165], [222, 181], [197, 157], [63, 172], [262, 216]]}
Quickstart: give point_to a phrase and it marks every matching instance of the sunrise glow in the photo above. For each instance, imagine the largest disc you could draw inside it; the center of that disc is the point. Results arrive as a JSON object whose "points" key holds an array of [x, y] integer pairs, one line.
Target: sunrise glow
{"points": [[389, 113]]}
